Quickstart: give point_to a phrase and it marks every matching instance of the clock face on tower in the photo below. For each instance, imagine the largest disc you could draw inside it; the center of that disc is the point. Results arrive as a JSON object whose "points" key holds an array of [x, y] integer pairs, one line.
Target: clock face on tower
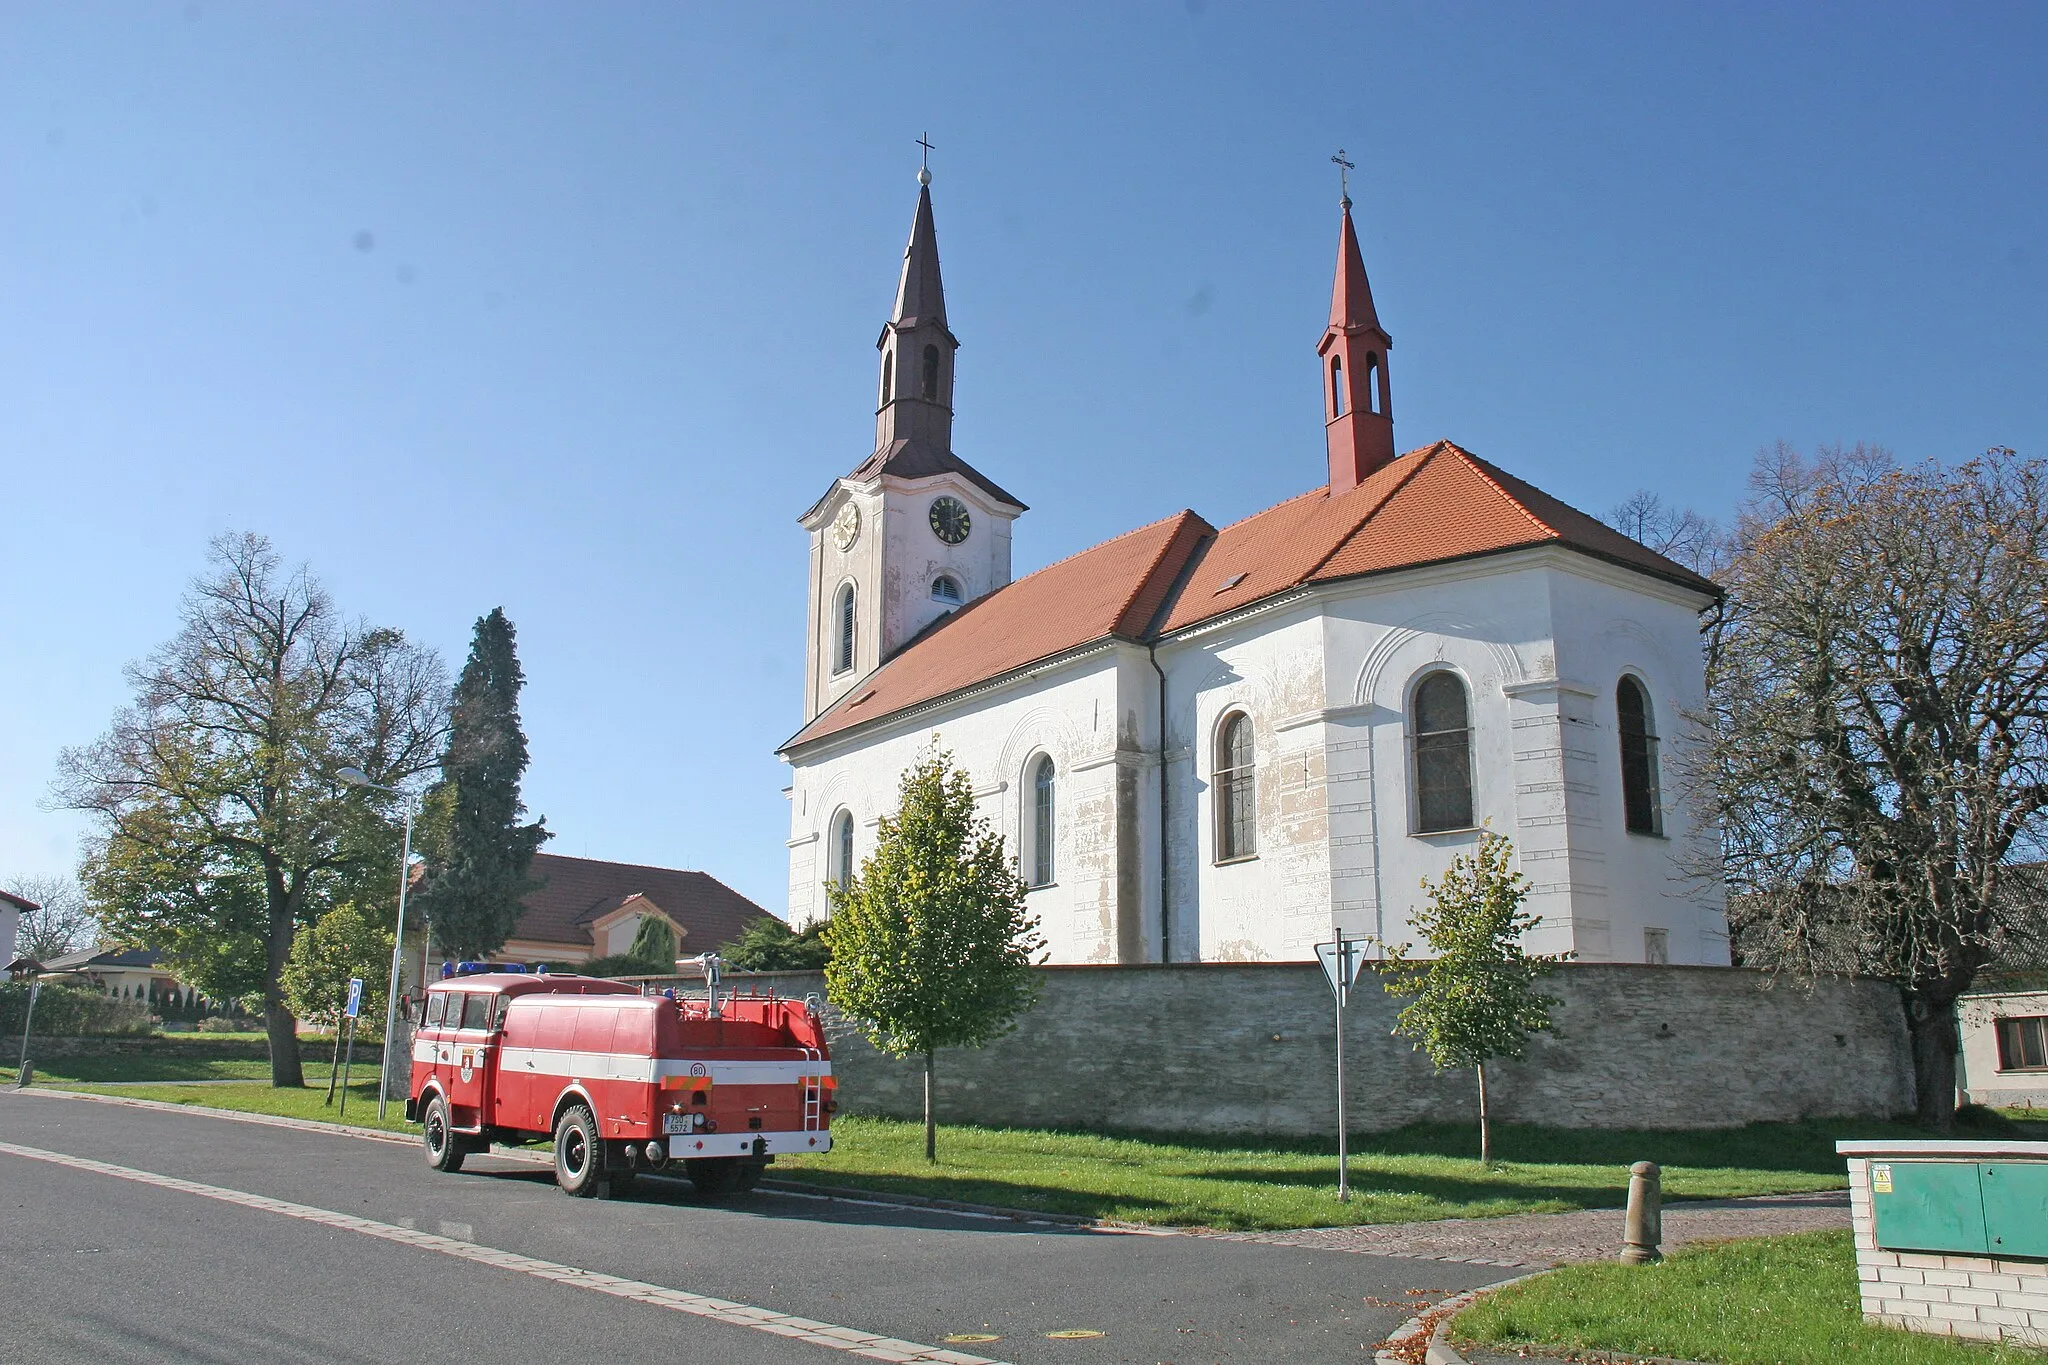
{"points": [[950, 521], [846, 527]]}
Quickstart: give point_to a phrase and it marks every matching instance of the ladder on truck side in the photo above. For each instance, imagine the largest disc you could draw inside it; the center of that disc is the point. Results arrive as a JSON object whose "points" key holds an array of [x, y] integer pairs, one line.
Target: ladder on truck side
{"points": [[814, 1089]]}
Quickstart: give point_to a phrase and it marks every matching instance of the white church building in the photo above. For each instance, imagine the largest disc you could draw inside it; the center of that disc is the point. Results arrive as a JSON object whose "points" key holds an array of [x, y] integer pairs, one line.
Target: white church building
{"points": [[1212, 744]]}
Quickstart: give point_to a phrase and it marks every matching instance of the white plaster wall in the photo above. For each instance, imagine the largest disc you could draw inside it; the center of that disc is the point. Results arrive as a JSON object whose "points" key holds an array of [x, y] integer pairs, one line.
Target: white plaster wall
{"points": [[1539, 639], [1069, 712], [10, 928], [1977, 1073], [1609, 623]]}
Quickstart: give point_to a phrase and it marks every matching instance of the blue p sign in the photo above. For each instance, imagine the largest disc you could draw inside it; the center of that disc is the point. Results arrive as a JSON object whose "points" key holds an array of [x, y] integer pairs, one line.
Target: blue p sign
{"points": [[355, 996]]}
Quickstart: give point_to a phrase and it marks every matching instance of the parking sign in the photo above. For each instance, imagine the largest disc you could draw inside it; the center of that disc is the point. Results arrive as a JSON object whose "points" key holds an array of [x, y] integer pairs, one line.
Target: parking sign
{"points": [[355, 996]]}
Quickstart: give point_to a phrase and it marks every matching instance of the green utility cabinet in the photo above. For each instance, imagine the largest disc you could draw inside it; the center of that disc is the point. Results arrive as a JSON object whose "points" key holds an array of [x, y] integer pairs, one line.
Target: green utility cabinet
{"points": [[1976, 1208]]}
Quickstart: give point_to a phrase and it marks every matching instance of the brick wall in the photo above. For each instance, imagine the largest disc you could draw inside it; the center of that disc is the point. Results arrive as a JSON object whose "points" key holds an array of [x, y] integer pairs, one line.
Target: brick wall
{"points": [[1248, 1048], [1961, 1296]]}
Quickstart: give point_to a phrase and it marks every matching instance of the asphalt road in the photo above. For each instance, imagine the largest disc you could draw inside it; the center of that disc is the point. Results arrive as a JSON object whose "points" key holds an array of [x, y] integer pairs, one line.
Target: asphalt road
{"points": [[97, 1265]]}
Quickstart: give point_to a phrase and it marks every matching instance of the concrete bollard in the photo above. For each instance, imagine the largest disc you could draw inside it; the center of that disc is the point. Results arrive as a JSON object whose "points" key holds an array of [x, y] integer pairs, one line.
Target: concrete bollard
{"points": [[1645, 1227]]}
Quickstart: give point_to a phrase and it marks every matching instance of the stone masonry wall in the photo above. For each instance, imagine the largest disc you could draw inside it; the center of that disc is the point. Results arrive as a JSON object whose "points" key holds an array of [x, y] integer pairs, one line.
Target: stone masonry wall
{"points": [[1248, 1048]]}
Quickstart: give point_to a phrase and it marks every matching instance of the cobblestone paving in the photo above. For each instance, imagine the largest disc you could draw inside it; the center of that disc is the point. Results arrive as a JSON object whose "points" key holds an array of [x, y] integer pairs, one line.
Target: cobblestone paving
{"points": [[1537, 1240]]}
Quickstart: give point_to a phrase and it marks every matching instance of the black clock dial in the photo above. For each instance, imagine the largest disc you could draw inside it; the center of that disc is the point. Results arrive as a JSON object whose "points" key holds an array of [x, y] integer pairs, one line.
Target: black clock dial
{"points": [[950, 521]]}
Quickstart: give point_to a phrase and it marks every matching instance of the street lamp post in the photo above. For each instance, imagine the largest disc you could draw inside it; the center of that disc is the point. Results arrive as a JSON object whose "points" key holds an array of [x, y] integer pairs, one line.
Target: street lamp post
{"points": [[358, 778]]}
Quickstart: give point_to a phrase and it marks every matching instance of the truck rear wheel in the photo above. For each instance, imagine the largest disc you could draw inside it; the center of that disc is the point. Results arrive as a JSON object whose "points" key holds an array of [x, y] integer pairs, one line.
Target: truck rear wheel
{"points": [[445, 1148], [579, 1153]]}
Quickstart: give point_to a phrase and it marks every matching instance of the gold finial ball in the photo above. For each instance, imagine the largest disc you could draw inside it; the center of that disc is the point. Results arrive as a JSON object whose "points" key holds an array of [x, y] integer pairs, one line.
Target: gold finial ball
{"points": [[924, 175]]}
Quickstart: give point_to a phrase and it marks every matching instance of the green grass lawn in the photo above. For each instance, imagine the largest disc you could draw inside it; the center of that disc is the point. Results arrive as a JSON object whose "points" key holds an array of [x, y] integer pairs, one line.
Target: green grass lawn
{"points": [[259, 1098], [1411, 1175], [1766, 1301], [1414, 1174], [99, 1070]]}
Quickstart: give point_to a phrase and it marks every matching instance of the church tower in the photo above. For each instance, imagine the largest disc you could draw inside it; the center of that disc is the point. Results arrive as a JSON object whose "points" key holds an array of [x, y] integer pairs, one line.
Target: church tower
{"points": [[915, 531], [1358, 418]]}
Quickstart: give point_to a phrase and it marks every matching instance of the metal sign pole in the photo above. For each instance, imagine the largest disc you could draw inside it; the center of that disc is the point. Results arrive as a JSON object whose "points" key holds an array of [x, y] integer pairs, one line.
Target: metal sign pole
{"points": [[1343, 1128], [353, 1008]]}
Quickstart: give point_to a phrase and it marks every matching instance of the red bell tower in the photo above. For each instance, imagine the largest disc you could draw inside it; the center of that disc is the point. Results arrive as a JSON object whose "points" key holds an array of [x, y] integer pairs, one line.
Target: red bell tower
{"points": [[1357, 397]]}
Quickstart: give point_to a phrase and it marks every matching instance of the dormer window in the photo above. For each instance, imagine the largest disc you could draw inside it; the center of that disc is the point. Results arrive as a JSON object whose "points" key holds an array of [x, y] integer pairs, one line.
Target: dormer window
{"points": [[946, 589]]}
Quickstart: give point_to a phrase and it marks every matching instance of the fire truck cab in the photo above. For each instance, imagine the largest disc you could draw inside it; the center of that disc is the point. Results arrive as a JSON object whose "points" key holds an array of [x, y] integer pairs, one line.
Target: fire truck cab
{"points": [[620, 1081]]}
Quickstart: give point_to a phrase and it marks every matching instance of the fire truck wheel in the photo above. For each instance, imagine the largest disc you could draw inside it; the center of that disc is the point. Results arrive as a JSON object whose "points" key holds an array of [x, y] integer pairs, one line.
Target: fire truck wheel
{"points": [[445, 1148], [579, 1154]]}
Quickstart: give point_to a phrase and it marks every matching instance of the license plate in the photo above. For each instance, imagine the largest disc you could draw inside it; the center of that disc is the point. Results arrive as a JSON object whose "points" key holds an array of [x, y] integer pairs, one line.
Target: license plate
{"points": [[675, 1123]]}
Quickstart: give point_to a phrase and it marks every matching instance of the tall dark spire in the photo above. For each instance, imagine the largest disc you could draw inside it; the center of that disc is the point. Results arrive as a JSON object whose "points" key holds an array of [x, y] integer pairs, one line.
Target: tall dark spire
{"points": [[916, 396], [1358, 419]]}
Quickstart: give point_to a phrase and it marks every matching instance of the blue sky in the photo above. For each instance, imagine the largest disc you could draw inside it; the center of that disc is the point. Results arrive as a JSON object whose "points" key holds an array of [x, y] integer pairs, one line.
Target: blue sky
{"points": [[571, 308]]}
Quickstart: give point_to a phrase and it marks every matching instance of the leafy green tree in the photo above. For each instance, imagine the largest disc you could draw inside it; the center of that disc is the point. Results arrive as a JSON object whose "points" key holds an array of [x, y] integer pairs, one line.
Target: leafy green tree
{"points": [[931, 944], [477, 853], [222, 774], [343, 943], [655, 942], [1475, 999], [769, 945]]}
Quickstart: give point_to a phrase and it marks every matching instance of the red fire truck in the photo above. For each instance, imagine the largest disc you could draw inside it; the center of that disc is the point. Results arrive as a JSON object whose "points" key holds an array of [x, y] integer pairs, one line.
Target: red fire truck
{"points": [[621, 1081]]}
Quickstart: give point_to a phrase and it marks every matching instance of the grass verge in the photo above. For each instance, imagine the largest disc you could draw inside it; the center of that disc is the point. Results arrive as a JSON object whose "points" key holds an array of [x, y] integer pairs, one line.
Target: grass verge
{"points": [[1766, 1301], [1411, 1175], [309, 1103], [101, 1070]]}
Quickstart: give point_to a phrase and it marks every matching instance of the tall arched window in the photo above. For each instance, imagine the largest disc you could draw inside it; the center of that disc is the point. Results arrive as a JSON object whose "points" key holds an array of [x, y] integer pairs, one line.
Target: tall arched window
{"points": [[839, 854], [1042, 821], [1336, 386], [1236, 804], [945, 588], [1372, 383], [1640, 807], [931, 373], [842, 651], [1442, 731], [888, 376]]}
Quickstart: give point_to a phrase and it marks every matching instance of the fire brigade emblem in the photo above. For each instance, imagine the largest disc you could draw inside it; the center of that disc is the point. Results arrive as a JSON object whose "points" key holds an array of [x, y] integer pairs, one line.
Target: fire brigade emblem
{"points": [[468, 1064]]}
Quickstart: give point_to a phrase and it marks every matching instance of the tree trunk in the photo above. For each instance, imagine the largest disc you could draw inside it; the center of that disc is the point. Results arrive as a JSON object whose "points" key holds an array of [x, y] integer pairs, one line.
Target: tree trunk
{"points": [[1485, 1134], [278, 1021], [1931, 1023], [931, 1132]]}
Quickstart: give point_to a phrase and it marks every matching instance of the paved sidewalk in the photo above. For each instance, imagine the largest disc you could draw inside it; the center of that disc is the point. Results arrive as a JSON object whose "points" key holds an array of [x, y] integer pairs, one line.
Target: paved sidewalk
{"points": [[1537, 1240]]}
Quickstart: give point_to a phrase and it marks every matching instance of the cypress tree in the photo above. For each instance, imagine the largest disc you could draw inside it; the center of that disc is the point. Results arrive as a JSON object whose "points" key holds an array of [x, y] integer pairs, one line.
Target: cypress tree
{"points": [[477, 854]]}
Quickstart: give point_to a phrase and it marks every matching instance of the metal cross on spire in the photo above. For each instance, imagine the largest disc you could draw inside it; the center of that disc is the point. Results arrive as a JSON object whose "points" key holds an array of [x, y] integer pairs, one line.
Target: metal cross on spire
{"points": [[1344, 170], [924, 174]]}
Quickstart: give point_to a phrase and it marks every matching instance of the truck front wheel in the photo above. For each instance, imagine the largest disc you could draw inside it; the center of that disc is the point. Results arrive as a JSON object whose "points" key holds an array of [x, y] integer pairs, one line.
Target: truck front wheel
{"points": [[579, 1153], [445, 1149]]}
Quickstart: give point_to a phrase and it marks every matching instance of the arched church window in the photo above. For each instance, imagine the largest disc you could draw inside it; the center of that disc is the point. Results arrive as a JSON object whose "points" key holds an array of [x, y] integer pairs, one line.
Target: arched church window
{"points": [[1372, 383], [1442, 730], [931, 373], [946, 589], [888, 376], [839, 857], [1638, 758], [1042, 821], [1336, 386], [842, 653], [1236, 803]]}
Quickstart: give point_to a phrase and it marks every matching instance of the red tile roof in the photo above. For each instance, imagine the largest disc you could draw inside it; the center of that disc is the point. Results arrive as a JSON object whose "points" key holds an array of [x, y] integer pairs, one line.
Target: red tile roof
{"points": [[1430, 506], [1114, 589], [580, 891]]}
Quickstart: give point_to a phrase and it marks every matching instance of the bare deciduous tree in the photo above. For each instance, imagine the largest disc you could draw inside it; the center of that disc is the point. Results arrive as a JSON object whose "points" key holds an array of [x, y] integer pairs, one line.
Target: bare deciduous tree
{"points": [[60, 924], [1876, 746], [222, 771], [1679, 533]]}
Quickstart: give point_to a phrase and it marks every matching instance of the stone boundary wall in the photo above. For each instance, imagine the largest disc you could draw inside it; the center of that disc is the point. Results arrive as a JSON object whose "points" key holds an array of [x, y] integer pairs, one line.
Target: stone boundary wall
{"points": [[1249, 1048]]}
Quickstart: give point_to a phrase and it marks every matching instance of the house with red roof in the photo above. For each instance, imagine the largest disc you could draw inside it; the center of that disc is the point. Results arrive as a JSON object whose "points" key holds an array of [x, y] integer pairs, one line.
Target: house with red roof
{"points": [[587, 908], [1212, 743]]}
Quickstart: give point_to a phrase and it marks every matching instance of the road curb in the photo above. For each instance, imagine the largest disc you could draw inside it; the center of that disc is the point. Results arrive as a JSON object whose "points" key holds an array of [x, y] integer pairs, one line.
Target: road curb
{"points": [[1425, 1338], [848, 1193]]}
